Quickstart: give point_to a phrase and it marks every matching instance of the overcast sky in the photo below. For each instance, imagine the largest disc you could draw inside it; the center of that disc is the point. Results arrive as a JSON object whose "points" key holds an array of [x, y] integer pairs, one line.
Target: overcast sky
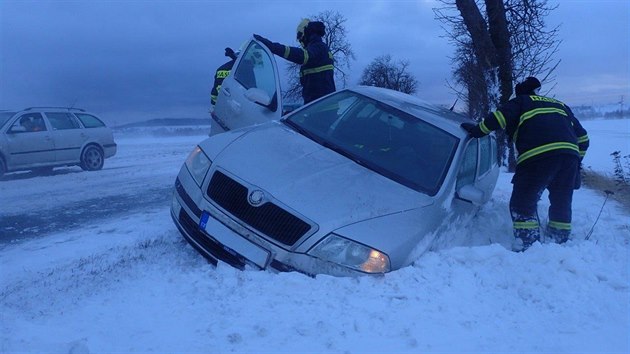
{"points": [[132, 60]]}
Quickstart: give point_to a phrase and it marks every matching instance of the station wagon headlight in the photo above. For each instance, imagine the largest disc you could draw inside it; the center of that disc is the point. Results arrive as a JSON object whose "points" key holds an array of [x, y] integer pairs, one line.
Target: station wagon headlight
{"points": [[337, 249], [198, 164]]}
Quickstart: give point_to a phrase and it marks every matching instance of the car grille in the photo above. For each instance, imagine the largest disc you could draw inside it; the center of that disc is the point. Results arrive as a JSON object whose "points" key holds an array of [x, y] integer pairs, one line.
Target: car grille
{"points": [[267, 218]]}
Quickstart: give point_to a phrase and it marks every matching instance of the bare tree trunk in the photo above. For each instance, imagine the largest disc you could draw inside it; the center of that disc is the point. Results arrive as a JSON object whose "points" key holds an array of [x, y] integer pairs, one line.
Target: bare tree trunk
{"points": [[476, 25], [500, 35], [498, 28]]}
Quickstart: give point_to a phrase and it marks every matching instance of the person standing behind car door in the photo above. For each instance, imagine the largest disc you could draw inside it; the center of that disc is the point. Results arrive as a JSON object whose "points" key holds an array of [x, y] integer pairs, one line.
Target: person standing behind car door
{"points": [[551, 143], [221, 73], [316, 60]]}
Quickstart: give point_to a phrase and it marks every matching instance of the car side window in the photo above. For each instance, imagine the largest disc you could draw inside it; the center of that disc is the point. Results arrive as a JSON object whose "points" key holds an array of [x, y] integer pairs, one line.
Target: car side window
{"points": [[468, 167], [485, 154], [494, 151], [62, 120], [256, 70], [29, 123], [90, 121]]}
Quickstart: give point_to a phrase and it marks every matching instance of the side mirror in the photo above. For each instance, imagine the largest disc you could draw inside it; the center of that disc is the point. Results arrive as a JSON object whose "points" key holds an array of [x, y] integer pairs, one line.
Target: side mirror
{"points": [[471, 193], [259, 96], [17, 129]]}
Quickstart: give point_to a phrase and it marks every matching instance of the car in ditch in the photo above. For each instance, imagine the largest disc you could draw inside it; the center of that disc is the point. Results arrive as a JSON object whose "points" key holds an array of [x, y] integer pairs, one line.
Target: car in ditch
{"points": [[41, 138], [357, 182]]}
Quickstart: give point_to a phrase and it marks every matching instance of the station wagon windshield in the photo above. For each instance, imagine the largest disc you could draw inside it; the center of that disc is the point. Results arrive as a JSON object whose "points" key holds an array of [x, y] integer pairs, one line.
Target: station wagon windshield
{"points": [[4, 117], [390, 142]]}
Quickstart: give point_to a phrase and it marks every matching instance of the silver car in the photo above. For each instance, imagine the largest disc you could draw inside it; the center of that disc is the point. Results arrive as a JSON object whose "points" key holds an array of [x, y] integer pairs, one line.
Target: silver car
{"points": [[39, 139], [354, 183]]}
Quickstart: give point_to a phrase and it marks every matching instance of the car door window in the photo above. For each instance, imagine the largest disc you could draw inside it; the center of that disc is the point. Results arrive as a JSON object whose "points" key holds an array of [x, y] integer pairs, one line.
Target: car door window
{"points": [[29, 123], [62, 120], [468, 166], [485, 154], [255, 70], [90, 121]]}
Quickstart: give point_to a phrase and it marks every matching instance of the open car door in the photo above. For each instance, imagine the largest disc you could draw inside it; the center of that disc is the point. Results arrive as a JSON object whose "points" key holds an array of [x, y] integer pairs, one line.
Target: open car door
{"points": [[251, 93]]}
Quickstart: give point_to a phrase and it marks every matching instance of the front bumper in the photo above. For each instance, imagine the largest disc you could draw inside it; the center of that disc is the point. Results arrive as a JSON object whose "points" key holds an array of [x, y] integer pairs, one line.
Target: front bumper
{"points": [[186, 216], [223, 239]]}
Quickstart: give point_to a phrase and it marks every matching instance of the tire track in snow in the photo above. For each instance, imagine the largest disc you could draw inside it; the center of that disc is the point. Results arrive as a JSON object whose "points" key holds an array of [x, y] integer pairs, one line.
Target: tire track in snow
{"points": [[37, 223]]}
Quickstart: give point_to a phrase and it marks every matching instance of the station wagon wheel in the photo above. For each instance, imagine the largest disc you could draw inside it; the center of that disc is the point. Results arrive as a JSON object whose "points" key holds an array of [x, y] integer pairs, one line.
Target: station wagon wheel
{"points": [[92, 158]]}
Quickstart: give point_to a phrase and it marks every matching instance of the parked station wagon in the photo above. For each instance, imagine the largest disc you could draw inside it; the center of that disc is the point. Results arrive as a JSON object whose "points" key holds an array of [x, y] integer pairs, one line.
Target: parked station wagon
{"points": [[354, 183], [39, 139]]}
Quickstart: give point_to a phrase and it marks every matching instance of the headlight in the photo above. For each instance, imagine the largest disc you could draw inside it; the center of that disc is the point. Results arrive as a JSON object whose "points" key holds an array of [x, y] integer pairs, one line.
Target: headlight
{"points": [[337, 249], [198, 164]]}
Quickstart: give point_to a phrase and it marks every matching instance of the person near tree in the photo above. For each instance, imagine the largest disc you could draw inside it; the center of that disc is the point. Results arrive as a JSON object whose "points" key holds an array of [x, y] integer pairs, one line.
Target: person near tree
{"points": [[316, 60], [550, 143]]}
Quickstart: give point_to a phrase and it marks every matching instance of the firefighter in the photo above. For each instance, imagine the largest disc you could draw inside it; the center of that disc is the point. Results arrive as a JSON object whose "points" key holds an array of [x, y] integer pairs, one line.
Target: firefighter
{"points": [[550, 143], [315, 58], [222, 72]]}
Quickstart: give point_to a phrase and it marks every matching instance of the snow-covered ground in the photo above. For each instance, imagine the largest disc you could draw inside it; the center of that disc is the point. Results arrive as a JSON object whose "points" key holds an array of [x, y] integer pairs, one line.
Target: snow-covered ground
{"points": [[607, 136], [126, 281]]}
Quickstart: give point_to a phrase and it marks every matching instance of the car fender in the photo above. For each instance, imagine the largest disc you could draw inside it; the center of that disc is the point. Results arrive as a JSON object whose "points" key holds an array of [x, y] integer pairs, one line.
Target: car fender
{"points": [[398, 235], [215, 144]]}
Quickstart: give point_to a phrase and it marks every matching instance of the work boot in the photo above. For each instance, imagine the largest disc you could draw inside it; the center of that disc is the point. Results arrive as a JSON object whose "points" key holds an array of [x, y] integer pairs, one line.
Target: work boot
{"points": [[524, 238], [558, 236], [522, 244]]}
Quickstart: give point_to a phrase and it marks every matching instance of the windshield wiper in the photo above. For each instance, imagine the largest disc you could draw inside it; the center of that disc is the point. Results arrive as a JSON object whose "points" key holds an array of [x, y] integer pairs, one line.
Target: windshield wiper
{"points": [[298, 129]]}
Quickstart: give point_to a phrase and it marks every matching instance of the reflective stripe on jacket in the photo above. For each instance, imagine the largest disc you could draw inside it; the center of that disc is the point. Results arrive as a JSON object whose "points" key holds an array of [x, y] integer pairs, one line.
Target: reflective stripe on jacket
{"points": [[317, 66], [222, 72], [539, 126]]}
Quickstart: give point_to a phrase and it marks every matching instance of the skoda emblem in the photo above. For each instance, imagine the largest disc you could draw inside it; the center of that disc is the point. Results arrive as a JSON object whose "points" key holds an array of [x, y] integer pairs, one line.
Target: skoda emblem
{"points": [[256, 197]]}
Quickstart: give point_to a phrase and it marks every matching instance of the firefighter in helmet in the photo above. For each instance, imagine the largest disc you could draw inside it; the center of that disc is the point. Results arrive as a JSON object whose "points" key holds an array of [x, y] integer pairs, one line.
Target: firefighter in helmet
{"points": [[550, 143], [315, 58], [221, 73]]}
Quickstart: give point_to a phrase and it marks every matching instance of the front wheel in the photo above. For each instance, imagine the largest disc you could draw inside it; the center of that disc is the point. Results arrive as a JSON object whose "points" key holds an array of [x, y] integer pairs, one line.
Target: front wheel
{"points": [[92, 158]]}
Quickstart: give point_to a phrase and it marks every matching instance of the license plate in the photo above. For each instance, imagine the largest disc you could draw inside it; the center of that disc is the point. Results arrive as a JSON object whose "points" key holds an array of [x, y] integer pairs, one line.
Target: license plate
{"points": [[233, 242]]}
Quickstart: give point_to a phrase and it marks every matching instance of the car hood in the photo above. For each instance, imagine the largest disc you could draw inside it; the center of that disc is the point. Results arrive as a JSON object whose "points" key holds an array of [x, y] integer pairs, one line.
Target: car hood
{"points": [[318, 183]]}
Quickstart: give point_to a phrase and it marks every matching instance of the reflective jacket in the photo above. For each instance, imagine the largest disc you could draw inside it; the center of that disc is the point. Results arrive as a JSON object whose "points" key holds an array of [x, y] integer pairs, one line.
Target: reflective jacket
{"points": [[539, 126], [222, 72], [316, 71]]}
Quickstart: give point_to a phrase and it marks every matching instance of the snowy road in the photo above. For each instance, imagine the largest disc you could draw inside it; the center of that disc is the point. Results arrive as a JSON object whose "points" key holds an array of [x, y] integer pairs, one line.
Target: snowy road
{"points": [[69, 216], [142, 176], [118, 277]]}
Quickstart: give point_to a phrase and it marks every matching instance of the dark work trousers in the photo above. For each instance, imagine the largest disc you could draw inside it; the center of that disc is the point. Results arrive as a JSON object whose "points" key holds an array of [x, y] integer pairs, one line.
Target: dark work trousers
{"points": [[558, 174]]}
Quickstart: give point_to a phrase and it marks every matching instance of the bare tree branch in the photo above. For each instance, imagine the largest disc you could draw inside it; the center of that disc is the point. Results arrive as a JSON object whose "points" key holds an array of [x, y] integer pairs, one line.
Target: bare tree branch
{"points": [[383, 72]]}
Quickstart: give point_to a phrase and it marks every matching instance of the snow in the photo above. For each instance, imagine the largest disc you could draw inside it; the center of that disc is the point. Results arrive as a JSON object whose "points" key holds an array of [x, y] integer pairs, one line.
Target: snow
{"points": [[126, 281], [606, 137]]}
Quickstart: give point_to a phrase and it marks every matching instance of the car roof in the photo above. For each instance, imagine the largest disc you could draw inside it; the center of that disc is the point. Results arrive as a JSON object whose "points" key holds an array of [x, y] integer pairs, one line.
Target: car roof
{"points": [[413, 105], [54, 109]]}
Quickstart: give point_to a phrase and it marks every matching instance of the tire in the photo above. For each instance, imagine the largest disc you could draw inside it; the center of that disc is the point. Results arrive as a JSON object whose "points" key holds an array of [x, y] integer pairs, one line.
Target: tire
{"points": [[3, 167], [92, 159]]}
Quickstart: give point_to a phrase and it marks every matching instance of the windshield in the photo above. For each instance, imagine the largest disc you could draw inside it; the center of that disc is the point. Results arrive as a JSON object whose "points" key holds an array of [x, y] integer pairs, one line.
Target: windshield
{"points": [[4, 117], [390, 142]]}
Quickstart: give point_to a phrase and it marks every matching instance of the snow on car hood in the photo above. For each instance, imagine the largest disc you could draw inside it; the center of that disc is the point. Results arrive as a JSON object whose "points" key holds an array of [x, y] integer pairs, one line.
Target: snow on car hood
{"points": [[315, 181]]}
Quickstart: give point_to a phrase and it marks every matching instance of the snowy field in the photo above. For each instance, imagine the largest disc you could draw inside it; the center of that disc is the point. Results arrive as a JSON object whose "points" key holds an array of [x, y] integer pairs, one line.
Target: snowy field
{"points": [[118, 276], [606, 137]]}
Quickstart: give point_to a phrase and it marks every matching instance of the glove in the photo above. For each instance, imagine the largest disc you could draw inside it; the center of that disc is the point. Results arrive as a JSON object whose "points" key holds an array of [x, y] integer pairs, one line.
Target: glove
{"points": [[468, 127], [263, 40], [229, 52]]}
